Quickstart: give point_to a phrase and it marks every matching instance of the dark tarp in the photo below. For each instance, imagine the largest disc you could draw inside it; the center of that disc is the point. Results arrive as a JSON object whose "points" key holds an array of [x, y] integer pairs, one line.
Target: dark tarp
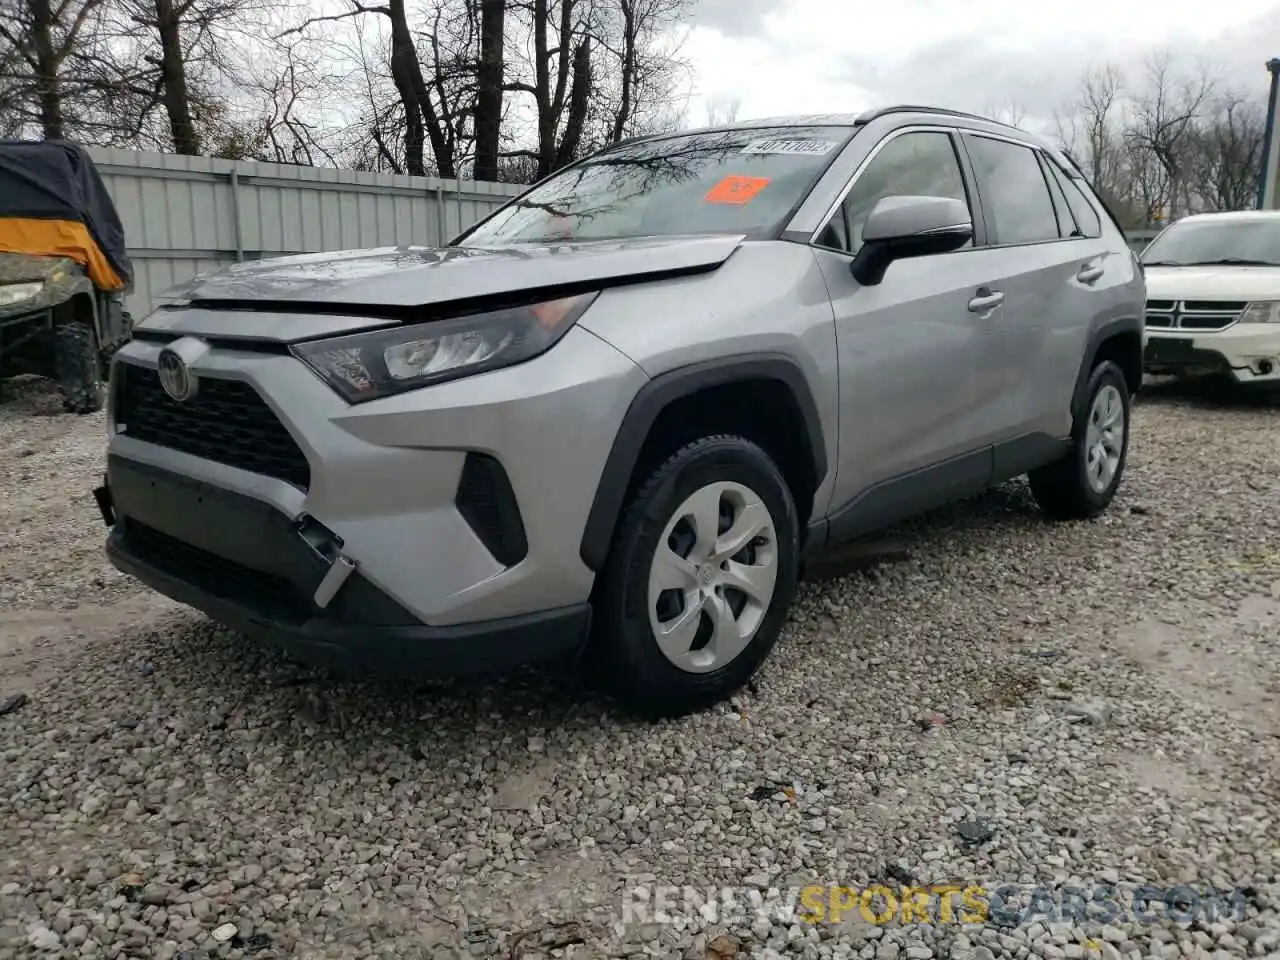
{"points": [[56, 180]]}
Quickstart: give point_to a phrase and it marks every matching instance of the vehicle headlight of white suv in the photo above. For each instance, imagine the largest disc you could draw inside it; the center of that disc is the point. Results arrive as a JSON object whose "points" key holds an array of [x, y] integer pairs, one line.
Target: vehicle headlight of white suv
{"points": [[1261, 311]]}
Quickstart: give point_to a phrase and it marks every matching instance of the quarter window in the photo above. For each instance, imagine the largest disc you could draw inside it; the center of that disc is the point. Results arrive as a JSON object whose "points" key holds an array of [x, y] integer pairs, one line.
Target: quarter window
{"points": [[1014, 191], [1086, 216], [922, 163], [1066, 222]]}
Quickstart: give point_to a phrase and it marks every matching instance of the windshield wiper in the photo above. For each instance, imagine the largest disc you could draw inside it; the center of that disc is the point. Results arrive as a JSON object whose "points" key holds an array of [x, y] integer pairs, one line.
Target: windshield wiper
{"points": [[1232, 262]]}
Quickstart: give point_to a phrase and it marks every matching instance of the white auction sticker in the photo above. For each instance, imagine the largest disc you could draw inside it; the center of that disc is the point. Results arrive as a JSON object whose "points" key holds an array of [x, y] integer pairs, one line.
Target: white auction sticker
{"points": [[814, 148]]}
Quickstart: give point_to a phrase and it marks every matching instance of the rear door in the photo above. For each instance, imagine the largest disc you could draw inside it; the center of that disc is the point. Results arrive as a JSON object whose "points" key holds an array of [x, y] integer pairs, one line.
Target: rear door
{"points": [[1052, 267]]}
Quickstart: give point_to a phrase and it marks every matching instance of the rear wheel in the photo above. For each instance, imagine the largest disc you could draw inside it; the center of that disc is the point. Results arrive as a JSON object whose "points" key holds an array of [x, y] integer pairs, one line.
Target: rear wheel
{"points": [[1084, 482], [699, 580], [78, 366]]}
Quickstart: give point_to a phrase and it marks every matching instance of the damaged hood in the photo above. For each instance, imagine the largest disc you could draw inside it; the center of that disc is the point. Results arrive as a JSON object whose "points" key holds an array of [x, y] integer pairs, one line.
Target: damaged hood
{"points": [[397, 277]]}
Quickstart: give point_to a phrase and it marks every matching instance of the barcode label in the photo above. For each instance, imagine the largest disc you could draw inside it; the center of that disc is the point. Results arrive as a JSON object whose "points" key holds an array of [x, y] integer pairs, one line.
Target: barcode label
{"points": [[814, 148]]}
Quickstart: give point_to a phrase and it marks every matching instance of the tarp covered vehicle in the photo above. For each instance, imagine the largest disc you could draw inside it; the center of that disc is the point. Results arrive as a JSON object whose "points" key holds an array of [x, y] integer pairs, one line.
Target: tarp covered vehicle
{"points": [[63, 270]]}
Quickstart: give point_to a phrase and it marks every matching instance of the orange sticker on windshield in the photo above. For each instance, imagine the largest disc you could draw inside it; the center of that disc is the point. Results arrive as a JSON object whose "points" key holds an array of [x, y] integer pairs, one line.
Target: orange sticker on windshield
{"points": [[736, 189]]}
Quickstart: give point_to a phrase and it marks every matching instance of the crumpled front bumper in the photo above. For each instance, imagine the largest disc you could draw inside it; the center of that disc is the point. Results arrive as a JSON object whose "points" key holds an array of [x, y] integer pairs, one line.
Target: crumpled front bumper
{"points": [[301, 593]]}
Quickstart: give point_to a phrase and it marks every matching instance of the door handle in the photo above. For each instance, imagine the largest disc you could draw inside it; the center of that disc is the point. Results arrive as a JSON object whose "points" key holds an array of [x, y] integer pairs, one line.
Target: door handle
{"points": [[985, 301], [1089, 273]]}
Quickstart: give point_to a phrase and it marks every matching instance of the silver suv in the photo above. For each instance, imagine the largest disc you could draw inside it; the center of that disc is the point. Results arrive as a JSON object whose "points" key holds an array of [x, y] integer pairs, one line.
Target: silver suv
{"points": [[614, 416]]}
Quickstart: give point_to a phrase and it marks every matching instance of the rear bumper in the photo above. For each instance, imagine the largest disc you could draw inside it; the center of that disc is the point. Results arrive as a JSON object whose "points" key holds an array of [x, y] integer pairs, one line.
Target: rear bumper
{"points": [[1248, 352], [252, 568]]}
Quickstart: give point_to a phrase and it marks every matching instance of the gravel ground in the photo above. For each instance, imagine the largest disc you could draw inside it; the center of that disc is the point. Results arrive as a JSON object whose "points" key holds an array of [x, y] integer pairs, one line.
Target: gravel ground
{"points": [[1010, 702]]}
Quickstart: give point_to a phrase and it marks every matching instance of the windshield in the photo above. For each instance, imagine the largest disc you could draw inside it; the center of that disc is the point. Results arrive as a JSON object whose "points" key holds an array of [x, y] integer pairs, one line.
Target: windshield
{"points": [[1242, 242], [734, 181]]}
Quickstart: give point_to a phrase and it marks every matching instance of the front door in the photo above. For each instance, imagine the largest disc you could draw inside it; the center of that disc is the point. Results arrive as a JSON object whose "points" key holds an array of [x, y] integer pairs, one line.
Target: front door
{"points": [[919, 353]]}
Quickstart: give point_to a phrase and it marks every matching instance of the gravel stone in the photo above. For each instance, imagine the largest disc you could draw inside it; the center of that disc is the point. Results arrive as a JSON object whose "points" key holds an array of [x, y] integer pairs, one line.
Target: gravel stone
{"points": [[253, 807]]}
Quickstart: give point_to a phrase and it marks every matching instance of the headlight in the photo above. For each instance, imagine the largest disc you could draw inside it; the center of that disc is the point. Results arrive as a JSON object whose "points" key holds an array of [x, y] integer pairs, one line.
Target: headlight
{"points": [[380, 363], [1263, 311], [11, 293]]}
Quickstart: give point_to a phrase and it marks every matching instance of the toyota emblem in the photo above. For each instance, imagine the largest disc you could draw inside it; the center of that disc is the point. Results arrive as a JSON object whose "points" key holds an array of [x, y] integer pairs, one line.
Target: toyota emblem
{"points": [[175, 376], [174, 367]]}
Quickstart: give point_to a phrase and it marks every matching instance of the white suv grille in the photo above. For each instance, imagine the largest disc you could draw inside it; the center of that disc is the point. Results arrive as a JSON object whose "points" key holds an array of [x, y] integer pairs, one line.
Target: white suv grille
{"points": [[1194, 314]]}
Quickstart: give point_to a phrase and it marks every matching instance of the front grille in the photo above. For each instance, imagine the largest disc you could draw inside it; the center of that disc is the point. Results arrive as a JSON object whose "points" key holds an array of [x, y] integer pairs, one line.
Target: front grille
{"points": [[227, 421], [1207, 321], [1193, 314], [1214, 306]]}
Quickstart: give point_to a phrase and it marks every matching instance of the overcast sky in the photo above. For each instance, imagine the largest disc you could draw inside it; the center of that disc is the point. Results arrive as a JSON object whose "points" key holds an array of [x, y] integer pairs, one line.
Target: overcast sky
{"points": [[788, 56]]}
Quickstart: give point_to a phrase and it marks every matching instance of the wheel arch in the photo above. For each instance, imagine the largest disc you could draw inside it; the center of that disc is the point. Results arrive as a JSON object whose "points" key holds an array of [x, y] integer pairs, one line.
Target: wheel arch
{"points": [[1118, 340], [84, 306], [777, 372], [77, 305]]}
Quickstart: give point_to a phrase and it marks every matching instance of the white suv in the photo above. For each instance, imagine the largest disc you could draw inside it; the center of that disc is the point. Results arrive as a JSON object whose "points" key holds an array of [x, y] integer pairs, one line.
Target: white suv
{"points": [[1213, 297]]}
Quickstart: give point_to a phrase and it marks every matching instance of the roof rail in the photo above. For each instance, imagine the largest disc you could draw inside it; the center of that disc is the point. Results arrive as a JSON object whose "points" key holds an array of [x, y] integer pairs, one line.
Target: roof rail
{"points": [[878, 112]]}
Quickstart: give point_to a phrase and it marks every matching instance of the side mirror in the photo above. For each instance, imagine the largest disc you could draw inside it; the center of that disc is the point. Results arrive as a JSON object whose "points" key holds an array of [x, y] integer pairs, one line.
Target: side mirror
{"points": [[901, 227]]}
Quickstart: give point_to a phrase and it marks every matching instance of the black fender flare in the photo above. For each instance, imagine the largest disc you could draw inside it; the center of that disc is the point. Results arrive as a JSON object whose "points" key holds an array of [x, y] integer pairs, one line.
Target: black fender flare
{"points": [[1103, 333], [654, 397]]}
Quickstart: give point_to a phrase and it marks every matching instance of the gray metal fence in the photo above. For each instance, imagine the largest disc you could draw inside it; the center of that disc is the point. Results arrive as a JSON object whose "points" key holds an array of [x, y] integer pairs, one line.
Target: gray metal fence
{"points": [[187, 215]]}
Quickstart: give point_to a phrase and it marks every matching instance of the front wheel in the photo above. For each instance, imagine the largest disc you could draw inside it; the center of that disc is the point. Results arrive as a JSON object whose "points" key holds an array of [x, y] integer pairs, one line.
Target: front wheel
{"points": [[78, 367], [1084, 482], [700, 578]]}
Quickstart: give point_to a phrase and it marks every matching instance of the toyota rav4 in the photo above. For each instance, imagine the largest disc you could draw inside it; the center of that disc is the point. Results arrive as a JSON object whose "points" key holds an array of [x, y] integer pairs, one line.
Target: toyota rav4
{"points": [[614, 416]]}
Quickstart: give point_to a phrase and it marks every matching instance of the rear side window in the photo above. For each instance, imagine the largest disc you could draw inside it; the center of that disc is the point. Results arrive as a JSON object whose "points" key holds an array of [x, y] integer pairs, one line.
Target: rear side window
{"points": [[1086, 216], [1013, 190]]}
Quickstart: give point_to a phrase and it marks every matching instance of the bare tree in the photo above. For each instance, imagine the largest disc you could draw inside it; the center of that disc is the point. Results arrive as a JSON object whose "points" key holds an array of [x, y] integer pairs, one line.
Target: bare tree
{"points": [[1224, 154], [640, 65], [723, 110], [1162, 143], [38, 39], [1147, 187], [1165, 113], [557, 76], [1010, 111], [285, 87], [1090, 127], [433, 103], [489, 88], [167, 70]]}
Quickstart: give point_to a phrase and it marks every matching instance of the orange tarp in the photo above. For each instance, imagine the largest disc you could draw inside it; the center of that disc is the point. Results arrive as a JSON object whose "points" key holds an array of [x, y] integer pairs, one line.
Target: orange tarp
{"points": [[59, 238]]}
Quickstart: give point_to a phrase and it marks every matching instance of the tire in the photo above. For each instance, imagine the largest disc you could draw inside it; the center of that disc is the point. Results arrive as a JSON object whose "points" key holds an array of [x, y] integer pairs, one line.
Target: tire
{"points": [[737, 476], [1068, 489], [78, 367]]}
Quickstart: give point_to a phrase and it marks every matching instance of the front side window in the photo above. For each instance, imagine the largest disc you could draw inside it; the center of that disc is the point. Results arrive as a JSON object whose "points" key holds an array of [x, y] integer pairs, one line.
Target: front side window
{"points": [[1230, 241], [728, 181], [1013, 191], [920, 163]]}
